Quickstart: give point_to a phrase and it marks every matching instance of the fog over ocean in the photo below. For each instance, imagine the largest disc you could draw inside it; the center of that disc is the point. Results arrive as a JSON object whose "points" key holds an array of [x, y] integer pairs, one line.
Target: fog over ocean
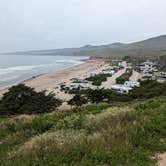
{"points": [[17, 68]]}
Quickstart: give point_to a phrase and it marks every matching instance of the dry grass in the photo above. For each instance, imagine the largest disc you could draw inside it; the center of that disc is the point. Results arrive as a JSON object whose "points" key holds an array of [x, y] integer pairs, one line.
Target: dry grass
{"points": [[53, 142], [118, 135], [21, 119], [60, 140], [106, 118]]}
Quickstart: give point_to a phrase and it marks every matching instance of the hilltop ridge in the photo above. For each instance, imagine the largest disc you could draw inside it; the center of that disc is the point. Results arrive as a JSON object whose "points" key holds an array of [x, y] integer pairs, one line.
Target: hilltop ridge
{"points": [[155, 46]]}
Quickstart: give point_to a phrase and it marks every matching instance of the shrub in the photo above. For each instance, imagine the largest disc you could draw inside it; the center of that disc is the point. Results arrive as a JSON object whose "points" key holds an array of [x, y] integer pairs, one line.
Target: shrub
{"points": [[98, 79], [124, 77], [149, 89], [21, 99], [77, 100], [97, 95]]}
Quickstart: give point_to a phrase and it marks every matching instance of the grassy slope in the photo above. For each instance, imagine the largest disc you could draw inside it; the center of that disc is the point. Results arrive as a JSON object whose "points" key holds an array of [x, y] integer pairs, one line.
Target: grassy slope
{"points": [[121, 134]]}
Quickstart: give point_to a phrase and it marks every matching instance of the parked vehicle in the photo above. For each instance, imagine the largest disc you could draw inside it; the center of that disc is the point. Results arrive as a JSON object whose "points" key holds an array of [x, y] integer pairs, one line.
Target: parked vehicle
{"points": [[131, 84], [121, 89]]}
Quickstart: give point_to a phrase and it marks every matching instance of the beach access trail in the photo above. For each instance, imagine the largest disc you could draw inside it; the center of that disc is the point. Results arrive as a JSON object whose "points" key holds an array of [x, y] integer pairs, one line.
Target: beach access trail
{"points": [[135, 76]]}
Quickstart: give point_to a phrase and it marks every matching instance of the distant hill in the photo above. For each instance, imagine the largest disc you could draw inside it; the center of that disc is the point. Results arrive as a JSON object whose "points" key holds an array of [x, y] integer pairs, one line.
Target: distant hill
{"points": [[152, 47]]}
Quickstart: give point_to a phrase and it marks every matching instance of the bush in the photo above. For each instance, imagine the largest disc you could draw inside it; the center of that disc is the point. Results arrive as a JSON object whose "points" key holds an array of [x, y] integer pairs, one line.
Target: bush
{"points": [[77, 100], [21, 99], [124, 77], [98, 79], [97, 95], [149, 89]]}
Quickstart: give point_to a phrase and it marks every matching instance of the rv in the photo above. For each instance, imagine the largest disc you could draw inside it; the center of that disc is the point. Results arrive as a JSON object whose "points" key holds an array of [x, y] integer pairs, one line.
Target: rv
{"points": [[160, 77], [131, 84], [121, 89]]}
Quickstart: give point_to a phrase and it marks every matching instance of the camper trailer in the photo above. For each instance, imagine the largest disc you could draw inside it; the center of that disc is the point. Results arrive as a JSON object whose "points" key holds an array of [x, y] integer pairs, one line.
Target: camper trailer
{"points": [[131, 84], [121, 89]]}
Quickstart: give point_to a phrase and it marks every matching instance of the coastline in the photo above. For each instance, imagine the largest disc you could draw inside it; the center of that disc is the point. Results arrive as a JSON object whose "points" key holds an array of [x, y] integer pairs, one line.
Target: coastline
{"points": [[20, 69], [49, 81]]}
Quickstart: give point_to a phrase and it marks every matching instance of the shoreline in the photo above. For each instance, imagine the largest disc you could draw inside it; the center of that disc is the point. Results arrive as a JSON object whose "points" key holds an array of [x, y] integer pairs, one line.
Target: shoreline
{"points": [[38, 75], [35, 69], [49, 81]]}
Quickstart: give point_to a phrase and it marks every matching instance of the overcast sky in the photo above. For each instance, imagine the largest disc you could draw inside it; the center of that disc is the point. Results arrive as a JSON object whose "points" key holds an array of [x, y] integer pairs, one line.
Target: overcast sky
{"points": [[45, 24]]}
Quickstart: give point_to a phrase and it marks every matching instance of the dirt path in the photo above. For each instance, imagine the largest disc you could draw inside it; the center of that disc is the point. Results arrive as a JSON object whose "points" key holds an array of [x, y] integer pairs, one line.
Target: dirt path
{"points": [[161, 159], [135, 76], [112, 80]]}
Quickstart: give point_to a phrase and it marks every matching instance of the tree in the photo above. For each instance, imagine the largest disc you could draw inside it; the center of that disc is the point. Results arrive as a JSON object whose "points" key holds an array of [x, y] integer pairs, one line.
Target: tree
{"points": [[98, 79], [77, 100], [97, 95], [22, 99]]}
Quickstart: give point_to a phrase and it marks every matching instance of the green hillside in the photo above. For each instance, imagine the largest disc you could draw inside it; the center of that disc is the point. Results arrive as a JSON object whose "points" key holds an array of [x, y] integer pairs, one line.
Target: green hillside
{"points": [[114, 134], [153, 47]]}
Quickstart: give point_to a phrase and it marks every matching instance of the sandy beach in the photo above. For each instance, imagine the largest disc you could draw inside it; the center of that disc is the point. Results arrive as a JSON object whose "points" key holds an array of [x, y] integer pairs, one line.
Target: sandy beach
{"points": [[51, 81]]}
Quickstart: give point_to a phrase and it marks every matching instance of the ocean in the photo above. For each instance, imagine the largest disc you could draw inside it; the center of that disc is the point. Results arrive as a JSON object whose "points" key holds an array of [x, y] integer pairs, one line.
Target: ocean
{"points": [[17, 68]]}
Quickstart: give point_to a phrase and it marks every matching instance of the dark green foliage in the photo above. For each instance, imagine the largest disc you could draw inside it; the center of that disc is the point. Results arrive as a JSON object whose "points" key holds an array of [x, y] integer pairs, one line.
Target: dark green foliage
{"points": [[118, 97], [102, 95], [127, 59], [124, 77], [149, 89], [97, 95], [77, 91], [21, 99], [106, 95], [78, 100], [98, 79]]}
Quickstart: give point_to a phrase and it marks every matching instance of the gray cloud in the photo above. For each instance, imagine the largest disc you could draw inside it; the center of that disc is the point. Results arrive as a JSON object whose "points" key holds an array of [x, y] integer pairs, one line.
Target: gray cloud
{"points": [[43, 24]]}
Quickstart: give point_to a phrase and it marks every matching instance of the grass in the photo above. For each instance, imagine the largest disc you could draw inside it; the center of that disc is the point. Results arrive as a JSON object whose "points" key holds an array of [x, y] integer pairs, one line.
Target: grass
{"points": [[117, 134]]}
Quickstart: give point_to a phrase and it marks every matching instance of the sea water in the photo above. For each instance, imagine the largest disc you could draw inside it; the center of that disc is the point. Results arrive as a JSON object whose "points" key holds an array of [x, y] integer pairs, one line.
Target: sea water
{"points": [[17, 68]]}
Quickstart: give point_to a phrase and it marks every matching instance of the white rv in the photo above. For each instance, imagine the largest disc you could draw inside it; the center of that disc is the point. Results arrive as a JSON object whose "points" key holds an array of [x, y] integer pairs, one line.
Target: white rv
{"points": [[121, 89], [131, 84]]}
